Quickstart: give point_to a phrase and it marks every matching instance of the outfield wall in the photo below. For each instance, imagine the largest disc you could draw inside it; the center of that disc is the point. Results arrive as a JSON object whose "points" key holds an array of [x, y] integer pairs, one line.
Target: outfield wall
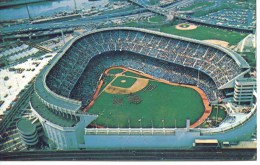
{"points": [[181, 140]]}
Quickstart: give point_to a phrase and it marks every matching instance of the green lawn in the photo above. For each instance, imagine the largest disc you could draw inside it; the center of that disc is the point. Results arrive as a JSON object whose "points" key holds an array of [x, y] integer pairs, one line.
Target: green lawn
{"points": [[159, 107], [206, 33], [157, 19], [129, 81], [131, 24], [250, 58]]}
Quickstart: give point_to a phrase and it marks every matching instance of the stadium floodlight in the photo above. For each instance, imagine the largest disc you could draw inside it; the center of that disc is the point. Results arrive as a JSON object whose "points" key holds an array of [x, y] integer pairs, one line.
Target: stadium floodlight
{"points": [[198, 77]]}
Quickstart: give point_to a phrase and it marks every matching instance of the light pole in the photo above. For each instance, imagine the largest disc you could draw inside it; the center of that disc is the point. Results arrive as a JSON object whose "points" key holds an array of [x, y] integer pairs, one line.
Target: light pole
{"points": [[28, 12], [140, 120], [129, 123], [198, 77], [163, 123], [75, 6]]}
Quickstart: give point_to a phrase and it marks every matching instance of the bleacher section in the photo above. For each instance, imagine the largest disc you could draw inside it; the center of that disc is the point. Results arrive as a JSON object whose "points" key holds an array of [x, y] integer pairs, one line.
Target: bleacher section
{"points": [[75, 77]]}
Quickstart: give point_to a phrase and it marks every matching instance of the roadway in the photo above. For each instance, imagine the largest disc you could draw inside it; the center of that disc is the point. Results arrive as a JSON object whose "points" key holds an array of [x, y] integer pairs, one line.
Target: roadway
{"points": [[96, 19], [69, 23], [147, 155], [99, 19]]}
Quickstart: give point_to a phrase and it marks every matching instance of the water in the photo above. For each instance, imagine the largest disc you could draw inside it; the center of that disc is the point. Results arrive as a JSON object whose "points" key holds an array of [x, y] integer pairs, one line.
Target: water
{"points": [[47, 8]]}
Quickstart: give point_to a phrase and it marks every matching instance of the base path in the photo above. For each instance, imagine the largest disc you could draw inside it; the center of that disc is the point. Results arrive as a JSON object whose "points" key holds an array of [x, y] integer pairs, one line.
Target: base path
{"points": [[139, 84]]}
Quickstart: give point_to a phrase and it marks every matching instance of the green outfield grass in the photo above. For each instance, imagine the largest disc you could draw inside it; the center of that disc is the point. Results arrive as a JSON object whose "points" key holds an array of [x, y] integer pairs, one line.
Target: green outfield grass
{"points": [[157, 19], [133, 74], [129, 81], [159, 108], [115, 71], [206, 33]]}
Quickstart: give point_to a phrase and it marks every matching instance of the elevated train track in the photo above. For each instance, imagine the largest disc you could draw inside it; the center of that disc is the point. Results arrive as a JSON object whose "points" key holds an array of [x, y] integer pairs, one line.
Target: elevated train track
{"points": [[188, 155]]}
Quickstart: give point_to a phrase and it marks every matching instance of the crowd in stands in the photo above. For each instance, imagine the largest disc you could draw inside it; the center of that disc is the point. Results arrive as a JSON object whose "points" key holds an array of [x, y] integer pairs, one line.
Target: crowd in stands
{"points": [[77, 73]]}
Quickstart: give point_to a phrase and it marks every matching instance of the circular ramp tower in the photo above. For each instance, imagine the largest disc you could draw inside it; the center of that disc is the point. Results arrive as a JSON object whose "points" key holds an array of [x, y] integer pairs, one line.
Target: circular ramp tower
{"points": [[27, 132]]}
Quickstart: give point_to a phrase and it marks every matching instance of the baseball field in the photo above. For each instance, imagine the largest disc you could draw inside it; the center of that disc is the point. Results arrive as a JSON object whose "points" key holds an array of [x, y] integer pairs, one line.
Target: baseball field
{"points": [[131, 100]]}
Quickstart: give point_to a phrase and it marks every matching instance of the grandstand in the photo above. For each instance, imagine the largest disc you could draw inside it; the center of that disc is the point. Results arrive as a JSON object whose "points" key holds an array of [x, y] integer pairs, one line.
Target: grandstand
{"points": [[69, 83], [218, 65]]}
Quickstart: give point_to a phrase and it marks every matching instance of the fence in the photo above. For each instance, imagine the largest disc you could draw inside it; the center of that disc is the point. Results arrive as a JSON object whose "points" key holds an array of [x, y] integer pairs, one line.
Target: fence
{"points": [[130, 131]]}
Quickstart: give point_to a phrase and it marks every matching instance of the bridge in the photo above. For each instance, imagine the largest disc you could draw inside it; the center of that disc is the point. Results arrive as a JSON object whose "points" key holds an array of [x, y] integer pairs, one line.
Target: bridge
{"points": [[154, 9], [164, 10]]}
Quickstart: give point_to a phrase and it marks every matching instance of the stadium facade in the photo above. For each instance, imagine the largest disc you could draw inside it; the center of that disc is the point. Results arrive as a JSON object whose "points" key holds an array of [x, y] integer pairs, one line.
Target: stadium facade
{"points": [[67, 84]]}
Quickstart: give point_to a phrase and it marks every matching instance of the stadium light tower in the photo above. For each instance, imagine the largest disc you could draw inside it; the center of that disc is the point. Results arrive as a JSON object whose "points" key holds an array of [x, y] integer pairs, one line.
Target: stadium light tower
{"points": [[198, 77], [28, 12], [75, 6]]}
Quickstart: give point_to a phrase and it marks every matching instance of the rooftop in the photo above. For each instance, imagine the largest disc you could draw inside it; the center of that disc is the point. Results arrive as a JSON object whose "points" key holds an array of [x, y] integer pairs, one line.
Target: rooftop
{"points": [[17, 81], [25, 126], [246, 80]]}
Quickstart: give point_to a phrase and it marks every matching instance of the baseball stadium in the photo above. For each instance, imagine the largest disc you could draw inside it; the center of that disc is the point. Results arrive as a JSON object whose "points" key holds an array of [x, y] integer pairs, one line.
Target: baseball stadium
{"points": [[126, 87]]}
